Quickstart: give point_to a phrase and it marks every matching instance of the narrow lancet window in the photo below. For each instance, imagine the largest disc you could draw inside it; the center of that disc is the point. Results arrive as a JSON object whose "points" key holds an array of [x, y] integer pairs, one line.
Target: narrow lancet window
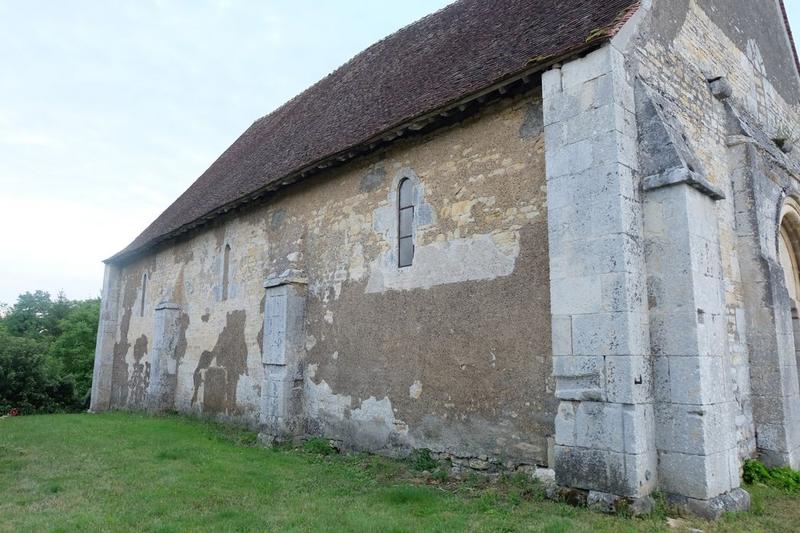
{"points": [[144, 294], [226, 266], [406, 223]]}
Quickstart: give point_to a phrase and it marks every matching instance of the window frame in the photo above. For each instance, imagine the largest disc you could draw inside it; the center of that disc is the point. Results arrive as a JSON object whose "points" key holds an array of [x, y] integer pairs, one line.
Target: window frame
{"points": [[401, 209], [226, 275], [144, 294]]}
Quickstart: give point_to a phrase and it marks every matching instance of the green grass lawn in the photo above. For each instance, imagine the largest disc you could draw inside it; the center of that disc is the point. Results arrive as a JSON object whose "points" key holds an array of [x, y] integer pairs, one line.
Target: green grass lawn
{"points": [[133, 472]]}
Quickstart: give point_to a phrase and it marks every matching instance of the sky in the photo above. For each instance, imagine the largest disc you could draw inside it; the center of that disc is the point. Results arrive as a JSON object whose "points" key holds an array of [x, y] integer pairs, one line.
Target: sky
{"points": [[110, 110]]}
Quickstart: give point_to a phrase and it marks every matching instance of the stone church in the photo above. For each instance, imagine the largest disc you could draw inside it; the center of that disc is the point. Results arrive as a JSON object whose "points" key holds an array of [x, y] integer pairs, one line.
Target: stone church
{"points": [[518, 233]]}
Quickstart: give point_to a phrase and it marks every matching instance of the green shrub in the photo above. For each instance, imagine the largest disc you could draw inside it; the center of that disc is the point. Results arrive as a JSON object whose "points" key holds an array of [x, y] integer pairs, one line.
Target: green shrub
{"points": [[441, 475], [47, 353], [422, 460], [781, 477], [319, 446], [754, 472], [25, 383]]}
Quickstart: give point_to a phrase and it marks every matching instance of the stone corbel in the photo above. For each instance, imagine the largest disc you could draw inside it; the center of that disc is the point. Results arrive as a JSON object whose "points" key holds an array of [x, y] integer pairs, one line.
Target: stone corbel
{"points": [[678, 175], [288, 277]]}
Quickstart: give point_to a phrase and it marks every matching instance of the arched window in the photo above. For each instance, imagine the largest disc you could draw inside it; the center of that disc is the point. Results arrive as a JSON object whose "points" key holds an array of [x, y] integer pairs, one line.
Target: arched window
{"points": [[144, 294], [226, 266], [788, 255], [405, 234], [789, 247]]}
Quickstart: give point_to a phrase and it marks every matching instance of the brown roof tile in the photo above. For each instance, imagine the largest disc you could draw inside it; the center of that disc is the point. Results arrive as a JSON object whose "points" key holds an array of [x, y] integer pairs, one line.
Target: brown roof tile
{"points": [[456, 52]]}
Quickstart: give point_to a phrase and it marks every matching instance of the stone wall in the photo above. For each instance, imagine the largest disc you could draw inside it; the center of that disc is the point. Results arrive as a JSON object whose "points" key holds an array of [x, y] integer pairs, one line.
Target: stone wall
{"points": [[451, 354], [681, 47], [647, 188]]}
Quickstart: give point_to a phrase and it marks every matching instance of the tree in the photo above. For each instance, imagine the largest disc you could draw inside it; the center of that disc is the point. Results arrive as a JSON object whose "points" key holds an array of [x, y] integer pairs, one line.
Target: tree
{"points": [[47, 353], [36, 315], [73, 350], [24, 384]]}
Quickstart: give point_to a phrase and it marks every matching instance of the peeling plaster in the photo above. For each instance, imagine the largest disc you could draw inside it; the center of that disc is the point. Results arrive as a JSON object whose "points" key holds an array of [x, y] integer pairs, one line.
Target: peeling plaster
{"points": [[415, 390], [373, 420], [478, 257]]}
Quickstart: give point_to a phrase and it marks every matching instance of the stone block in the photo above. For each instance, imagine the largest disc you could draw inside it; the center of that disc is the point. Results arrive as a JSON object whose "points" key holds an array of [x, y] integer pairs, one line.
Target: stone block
{"points": [[584, 69], [612, 181], [626, 125], [604, 89], [577, 366], [769, 410], [578, 295], [697, 380], [569, 159], [734, 501], [554, 135], [662, 391], [565, 424], [625, 475], [596, 123], [586, 469], [561, 327], [629, 379], [599, 425], [640, 473], [654, 216], [604, 215], [674, 333], [614, 147], [551, 83], [705, 258], [663, 294], [622, 291], [562, 107], [768, 376], [708, 295], [579, 377], [602, 502], [791, 386], [639, 427], [695, 476], [702, 214], [773, 437], [609, 334], [698, 430]]}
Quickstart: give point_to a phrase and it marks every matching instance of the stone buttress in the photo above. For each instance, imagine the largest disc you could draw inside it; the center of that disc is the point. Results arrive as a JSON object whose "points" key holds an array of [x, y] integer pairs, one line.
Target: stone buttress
{"points": [[637, 298], [283, 355]]}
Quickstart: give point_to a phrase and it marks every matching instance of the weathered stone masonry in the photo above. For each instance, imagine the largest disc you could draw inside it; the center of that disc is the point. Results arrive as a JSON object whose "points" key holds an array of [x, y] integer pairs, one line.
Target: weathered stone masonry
{"points": [[671, 188], [597, 285], [368, 354]]}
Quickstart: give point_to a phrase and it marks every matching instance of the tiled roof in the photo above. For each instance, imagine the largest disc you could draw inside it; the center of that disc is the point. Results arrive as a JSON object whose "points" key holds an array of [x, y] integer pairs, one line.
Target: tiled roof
{"points": [[458, 51]]}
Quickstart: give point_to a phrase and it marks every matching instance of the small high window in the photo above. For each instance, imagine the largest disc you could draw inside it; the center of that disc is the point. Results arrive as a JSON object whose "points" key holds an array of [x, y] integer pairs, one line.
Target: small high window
{"points": [[144, 294], [226, 266], [405, 223]]}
